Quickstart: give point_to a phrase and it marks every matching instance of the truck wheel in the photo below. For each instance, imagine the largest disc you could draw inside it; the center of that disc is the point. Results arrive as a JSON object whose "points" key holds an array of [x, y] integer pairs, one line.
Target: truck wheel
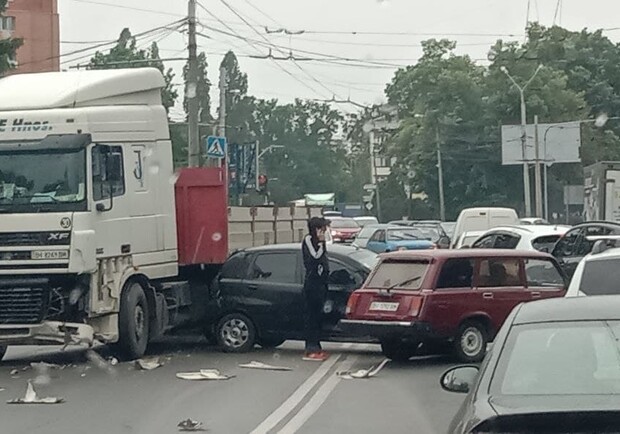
{"points": [[470, 344], [133, 322], [271, 342], [235, 333], [2, 352], [398, 350]]}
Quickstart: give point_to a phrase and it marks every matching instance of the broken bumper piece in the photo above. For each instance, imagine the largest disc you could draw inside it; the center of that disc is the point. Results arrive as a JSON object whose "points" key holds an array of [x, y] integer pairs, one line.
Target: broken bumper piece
{"points": [[47, 332]]}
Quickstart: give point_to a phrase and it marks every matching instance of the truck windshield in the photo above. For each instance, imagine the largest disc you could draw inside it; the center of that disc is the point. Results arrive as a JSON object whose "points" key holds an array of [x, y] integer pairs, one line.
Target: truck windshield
{"points": [[39, 180]]}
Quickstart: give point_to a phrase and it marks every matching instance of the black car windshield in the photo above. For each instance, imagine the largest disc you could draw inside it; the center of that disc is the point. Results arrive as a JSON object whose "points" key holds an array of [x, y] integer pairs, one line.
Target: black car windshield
{"points": [[344, 223], [567, 358], [601, 277], [42, 180]]}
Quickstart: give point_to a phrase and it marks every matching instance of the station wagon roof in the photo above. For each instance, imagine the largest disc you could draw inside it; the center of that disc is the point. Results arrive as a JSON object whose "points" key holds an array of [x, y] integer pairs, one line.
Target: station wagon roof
{"points": [[603, 307], [463, 253]]}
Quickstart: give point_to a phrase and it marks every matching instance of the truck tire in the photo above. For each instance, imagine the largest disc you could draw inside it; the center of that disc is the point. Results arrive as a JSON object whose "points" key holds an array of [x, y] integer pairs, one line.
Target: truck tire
{"points": [[470, 344], [397, 350], [236, 333], [133, 322], [2, 352]]}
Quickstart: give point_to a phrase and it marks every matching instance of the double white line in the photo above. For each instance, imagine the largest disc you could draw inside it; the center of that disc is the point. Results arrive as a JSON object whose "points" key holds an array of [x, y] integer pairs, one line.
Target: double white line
{"points": [[313, 404]]}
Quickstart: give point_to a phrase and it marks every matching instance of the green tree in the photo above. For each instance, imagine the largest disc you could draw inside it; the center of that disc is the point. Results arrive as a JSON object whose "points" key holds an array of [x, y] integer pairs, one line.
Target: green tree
{"points": [[8, 47], [240, 108], [126, 54], [203, 89]]}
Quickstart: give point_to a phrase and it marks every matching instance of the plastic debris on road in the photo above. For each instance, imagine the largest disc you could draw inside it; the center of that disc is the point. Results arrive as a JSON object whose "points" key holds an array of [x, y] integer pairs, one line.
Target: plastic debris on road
{"points": [[265, 366], [14, 372], [362, 373], [190, 425], [203, 375], [46, 366], [31, 397], [148, 364], [100, 362]]}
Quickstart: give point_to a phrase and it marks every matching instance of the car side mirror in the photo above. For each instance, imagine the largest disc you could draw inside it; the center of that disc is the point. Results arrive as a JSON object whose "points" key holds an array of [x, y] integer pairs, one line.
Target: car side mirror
{"points": [[460, 379]]}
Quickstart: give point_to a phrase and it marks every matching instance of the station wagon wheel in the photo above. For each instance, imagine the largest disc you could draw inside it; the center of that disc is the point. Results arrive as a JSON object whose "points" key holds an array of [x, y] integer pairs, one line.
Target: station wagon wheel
{"points": [[236, 333], [471, 341]]}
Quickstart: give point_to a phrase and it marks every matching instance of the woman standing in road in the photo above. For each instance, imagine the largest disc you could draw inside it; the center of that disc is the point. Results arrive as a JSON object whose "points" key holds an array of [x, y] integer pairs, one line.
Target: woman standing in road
{"points": [[316, 264]]}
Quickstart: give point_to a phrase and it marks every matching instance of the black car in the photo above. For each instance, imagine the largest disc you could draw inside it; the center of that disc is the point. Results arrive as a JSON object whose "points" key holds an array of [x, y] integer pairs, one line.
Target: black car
{"points": [[554, 368], [574, 245], [257, 297]]}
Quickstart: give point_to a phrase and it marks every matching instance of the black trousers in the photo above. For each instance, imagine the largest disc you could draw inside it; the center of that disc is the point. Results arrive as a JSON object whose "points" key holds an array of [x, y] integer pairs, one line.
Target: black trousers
{"points": [[315, 300]]}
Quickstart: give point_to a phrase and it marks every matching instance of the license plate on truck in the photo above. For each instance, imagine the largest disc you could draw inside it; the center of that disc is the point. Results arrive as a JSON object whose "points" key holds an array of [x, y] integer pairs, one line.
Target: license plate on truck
{"points": [[50, 254], [386, 307]]}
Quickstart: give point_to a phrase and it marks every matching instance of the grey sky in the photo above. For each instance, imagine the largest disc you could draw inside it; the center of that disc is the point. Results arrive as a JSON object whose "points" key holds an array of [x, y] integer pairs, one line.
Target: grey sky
{"points": [[82, 21]]}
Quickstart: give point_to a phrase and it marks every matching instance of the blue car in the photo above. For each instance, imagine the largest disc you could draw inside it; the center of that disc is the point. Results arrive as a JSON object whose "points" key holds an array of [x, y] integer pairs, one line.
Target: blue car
{"points": [[392, 238]]}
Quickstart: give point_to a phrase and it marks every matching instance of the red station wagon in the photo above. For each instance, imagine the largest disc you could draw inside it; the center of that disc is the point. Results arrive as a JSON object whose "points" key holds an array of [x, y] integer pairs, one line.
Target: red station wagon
{"points": [[414, 299]]}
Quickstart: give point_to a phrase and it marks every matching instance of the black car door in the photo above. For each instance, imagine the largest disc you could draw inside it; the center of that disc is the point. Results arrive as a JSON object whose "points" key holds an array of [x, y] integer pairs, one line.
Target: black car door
{"points": [[274, 293], [344, 278], [567, 250], [228, 292]]}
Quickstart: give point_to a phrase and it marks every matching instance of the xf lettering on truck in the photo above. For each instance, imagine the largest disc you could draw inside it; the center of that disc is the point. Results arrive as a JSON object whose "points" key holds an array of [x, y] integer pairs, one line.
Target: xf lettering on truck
{"points": [[22, 125]]}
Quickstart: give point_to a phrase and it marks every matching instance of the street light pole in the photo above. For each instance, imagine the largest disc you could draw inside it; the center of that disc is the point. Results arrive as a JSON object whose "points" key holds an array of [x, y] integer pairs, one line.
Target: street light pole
{"points": [[537, 180], [442, 204], [526, 169]]}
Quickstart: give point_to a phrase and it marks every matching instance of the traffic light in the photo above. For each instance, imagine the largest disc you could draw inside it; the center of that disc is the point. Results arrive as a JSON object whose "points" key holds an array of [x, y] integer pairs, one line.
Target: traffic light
{"points": [[262, 183]]}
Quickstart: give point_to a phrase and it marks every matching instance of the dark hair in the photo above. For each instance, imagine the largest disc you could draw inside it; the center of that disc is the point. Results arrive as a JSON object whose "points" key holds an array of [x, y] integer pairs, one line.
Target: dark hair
{"points": [[316, 223]]}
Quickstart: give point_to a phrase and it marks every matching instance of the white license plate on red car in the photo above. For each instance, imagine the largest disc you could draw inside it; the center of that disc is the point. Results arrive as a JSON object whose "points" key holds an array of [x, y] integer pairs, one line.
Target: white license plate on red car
{"points": [[383, 306]]}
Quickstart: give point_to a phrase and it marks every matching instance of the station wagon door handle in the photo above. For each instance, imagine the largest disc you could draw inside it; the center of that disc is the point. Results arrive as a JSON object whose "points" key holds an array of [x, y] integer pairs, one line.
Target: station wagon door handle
{"points": [[487, 295], [253, 287], [535, 294]]}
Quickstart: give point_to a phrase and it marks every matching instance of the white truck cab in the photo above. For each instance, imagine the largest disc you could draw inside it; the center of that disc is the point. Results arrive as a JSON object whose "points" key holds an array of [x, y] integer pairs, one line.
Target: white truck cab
{"points": [[87, 210]]}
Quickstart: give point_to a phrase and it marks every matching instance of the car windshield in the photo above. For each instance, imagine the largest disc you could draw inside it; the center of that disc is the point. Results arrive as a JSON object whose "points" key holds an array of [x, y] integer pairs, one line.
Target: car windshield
{"points": [[601, 277], [365, 257], [340, 223], [404, 234], [428, 232], [390, 273], [568, 358], [365, 233], [42, 180]]}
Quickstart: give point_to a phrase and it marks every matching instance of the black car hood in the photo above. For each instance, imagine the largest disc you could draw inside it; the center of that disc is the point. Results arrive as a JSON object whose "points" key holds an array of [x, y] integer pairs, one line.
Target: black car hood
{"points": [[553, 414]]}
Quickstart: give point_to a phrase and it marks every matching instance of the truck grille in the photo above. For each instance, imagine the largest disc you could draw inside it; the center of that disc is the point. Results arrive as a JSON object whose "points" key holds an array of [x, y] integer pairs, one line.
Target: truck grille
{"points": [[21, 305], [58, 238]]}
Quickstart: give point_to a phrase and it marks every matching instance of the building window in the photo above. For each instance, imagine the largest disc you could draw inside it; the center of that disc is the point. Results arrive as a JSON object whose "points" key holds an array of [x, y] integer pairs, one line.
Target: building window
{"points": [[7, 23]]}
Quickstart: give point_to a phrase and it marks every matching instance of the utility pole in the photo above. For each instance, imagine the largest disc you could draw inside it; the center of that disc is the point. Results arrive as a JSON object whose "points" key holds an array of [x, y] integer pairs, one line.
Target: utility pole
{"points": [[537, 177], [373, 168], [256, 163], [191, 91], [222, 117], [442, 204]]}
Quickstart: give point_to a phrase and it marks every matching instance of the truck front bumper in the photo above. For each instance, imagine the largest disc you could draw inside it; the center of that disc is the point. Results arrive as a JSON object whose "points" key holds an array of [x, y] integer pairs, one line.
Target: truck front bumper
{"points": [[47, 332]]}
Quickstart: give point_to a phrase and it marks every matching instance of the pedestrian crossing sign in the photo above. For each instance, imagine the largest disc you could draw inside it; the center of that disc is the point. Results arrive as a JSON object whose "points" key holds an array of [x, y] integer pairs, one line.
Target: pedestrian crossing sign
{"points": [[216, 147]]}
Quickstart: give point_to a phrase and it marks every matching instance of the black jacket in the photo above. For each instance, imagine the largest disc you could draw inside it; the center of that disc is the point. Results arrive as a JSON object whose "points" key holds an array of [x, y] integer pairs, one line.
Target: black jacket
{"points": [[316, 264]]}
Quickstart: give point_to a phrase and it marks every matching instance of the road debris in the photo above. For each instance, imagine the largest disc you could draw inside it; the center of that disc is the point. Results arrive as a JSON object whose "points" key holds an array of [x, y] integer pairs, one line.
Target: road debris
{"points": [[113, 361], [31, 397], [362, 373], [44, 365], [14, 372], [148, 364], [260, 365], [190, 425], [204, 375], [100, 362], [2, 389]]}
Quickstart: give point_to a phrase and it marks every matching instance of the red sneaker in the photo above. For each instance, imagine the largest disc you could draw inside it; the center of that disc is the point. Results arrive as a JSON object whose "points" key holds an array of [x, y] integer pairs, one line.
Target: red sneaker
{"points": [[325, 354], [315, 357]]}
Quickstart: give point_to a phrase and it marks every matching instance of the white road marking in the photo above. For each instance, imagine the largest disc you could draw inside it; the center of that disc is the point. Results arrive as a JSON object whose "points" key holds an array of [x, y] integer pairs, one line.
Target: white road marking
{"points": [[317, 400], [293, 401]]}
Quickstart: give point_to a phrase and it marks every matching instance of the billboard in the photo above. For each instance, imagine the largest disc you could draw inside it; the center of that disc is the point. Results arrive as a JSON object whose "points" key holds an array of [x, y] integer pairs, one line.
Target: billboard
{"points": [[557, 143]]}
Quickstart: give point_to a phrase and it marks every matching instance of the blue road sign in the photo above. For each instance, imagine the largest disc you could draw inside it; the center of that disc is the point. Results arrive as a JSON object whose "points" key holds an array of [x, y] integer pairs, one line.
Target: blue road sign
{"points": [[216, 147]]}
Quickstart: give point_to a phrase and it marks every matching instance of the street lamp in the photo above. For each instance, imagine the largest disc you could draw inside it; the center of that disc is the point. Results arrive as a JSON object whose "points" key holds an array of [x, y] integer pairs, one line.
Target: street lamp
{"points": [[526, 173]]}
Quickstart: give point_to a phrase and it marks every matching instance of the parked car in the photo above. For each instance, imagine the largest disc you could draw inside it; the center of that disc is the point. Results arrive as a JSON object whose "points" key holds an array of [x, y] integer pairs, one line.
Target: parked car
{"points": [[432, 230], [460, 297], [364, 221], [386, 238], [575, 244], [598, 273], [541, 238], [448, 228], [466, 239], [483, 219], [537, 221], [343, 229], [257, 297], [552, 369], [363, 236]]}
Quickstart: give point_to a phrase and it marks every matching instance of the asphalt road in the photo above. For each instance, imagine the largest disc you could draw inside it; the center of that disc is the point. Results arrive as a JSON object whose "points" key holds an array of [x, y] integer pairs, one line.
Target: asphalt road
{"points": [[402, 398]]}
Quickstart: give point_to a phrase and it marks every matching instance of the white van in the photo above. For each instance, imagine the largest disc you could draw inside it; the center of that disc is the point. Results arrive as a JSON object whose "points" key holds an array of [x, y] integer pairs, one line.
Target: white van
{"points": [[483, 219]]}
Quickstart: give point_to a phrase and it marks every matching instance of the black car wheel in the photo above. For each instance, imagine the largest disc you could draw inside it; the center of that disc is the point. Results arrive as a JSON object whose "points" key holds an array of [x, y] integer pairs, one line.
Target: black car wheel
{"points": [[271, 342], [471, 342], [133, 322], [398, 350], [236, 333]]}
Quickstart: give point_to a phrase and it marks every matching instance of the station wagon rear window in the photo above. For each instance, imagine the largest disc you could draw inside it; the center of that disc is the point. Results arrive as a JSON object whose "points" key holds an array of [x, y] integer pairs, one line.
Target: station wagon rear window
{"points": [[399, 274], [601, 277]]}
